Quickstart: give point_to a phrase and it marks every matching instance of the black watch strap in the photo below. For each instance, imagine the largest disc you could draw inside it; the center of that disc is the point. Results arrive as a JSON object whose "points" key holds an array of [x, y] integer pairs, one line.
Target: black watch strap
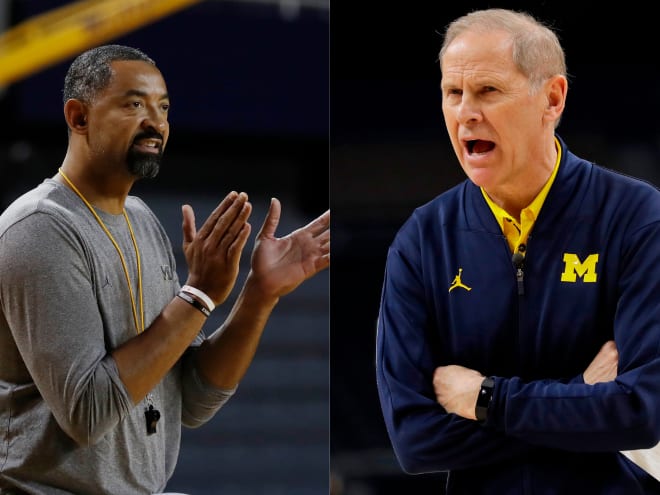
{"points": [[484, 399]]}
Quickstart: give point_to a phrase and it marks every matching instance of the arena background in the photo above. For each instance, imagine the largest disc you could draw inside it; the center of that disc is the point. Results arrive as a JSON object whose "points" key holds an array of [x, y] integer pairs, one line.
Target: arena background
{"points": [[390, 153], [249, 90]]}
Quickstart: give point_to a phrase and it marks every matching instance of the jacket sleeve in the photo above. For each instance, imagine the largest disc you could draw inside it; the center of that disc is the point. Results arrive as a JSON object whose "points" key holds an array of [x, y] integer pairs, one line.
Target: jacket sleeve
{"points": [[424, 436], [622, 414]]}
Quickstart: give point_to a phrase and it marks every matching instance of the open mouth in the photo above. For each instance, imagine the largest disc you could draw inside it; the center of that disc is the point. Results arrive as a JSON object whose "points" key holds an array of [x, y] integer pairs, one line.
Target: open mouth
{"points": [[479, 146], [147, 145]]}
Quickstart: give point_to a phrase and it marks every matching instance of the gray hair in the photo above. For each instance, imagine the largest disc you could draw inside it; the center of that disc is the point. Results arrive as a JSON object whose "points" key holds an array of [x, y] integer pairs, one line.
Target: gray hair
{"points": [[91, 72], [537, 52]]}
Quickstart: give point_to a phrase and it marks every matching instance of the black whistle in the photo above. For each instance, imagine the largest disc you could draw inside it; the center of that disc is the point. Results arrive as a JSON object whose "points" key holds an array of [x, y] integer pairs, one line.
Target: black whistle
{"points": [[152, 416]]}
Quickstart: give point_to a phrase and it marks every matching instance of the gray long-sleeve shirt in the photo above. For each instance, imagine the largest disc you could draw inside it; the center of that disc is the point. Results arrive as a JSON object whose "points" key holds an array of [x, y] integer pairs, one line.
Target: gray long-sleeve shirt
{"points": [[67, 424]]}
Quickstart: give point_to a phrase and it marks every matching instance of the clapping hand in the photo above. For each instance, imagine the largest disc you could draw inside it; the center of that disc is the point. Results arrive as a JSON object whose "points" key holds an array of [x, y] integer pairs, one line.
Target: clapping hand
{"points": [[280, 264], [213, 253]]}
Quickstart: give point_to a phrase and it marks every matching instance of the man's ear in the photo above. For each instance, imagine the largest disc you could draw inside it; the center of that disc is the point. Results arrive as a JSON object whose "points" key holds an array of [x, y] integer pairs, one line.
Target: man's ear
{"points": [[556, 90], [75, 114]]}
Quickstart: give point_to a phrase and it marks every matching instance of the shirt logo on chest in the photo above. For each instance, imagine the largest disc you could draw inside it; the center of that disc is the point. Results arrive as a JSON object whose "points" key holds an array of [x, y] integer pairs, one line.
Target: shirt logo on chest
{"points": [[458, 283], [574, 268]]}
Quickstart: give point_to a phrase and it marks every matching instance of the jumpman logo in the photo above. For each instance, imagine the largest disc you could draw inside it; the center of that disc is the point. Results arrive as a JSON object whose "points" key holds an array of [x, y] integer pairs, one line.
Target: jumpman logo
{"points": [[457, 282]]}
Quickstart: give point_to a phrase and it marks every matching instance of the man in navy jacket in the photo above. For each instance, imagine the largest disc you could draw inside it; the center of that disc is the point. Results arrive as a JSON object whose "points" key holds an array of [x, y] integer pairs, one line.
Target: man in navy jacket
{"points": [[499, 293]]}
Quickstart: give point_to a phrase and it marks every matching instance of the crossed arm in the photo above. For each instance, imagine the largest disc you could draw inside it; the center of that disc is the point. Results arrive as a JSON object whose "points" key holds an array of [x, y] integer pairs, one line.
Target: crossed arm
{"points": [[456, 387]]}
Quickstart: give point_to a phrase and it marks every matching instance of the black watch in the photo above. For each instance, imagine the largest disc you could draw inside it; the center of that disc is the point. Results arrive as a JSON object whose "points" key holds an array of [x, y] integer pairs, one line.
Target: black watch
{"points": [[484, 398]]}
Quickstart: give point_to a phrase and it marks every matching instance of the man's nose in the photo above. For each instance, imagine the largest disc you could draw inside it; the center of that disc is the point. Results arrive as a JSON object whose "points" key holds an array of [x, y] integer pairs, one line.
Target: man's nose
{"points": [[468, 110]]}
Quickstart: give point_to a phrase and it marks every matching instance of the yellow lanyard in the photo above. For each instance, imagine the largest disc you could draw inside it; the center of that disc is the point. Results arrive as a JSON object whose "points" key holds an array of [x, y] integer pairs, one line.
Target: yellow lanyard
{"points": [[139, 326]]}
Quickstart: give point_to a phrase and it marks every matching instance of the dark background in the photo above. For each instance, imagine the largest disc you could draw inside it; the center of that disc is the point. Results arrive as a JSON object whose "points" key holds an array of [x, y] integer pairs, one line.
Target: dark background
{"points": [[390, 153], [247, 82], [250, 111], [249, 92]]}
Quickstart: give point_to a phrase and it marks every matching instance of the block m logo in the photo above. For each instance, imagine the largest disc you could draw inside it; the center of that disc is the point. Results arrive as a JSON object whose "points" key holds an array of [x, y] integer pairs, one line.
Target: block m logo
{"points": [[574, 268]]}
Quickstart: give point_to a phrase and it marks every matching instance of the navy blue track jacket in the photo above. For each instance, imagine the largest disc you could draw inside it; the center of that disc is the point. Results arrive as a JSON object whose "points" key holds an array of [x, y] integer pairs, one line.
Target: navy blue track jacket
{"points": [[591, 273]]}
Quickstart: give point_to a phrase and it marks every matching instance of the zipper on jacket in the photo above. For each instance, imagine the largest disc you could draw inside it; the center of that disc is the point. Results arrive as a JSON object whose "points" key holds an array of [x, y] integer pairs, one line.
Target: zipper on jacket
{"points": [[518, 260]]}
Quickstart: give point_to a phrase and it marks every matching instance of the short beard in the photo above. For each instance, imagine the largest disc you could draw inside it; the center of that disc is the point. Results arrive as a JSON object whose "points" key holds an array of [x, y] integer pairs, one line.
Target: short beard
{"points": [[144, 166]]}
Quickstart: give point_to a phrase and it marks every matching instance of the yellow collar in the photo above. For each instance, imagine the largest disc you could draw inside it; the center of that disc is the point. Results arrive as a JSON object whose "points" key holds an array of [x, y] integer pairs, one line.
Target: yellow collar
{"points": [[516, 232]]}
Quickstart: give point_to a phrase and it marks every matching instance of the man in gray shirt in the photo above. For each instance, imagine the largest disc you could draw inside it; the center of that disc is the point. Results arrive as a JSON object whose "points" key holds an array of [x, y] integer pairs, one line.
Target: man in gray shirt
{"points": [[102, 356]]}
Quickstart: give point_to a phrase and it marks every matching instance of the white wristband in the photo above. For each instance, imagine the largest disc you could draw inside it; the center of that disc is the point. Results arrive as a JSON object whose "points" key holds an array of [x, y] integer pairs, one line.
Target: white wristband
{"points": [[196, 292]]}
